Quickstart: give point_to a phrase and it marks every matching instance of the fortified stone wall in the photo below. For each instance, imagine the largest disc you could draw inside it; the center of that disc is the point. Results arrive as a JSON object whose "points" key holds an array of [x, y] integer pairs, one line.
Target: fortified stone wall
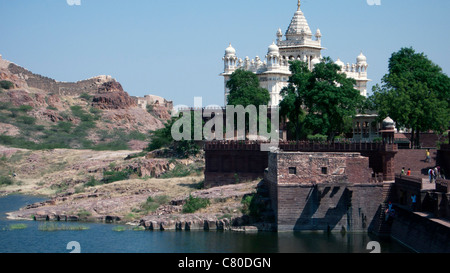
{"points": [[233, 153], [420, 233], [443, 159], [60, 88], [233, 166], [342, 197]]}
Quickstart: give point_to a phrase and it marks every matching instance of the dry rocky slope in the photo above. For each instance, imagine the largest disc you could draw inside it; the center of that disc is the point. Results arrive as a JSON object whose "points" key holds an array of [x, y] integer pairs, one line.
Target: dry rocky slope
{"points": [[50, 102], [74, 179], [64, 175]]}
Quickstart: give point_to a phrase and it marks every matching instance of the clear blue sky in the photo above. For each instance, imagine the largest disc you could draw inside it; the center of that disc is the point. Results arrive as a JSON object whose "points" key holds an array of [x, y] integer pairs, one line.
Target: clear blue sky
{"points": [[174, 48]]}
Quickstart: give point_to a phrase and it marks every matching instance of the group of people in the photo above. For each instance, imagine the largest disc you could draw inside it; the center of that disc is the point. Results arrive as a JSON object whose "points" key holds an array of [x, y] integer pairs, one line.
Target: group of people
{"points": [[434, 173], [408, 173]]}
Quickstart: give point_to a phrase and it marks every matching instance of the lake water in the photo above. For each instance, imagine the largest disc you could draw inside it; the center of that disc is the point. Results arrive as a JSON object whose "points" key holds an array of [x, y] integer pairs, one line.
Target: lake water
{"points": [[103, 238]]}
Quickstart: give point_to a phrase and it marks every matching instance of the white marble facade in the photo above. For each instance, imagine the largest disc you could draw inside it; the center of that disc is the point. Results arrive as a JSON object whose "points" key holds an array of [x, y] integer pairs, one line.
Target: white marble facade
{"points": [[297, 44]]}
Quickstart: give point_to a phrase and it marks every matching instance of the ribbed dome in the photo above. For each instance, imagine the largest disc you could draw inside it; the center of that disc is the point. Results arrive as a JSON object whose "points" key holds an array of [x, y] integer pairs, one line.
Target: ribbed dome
{"points": [[361, 58], [230, 50], [273, 49]]}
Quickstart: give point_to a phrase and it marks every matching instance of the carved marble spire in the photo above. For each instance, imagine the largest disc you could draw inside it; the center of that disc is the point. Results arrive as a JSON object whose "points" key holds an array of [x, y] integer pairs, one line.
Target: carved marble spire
{"points": [[298, 25]]}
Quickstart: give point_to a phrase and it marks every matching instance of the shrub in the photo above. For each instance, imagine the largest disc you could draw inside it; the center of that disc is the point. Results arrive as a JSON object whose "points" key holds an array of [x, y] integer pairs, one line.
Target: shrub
{"points": [[5, 181], [252, 205], [116, 145], [84, 213], [317, 138], [95, 111], [136, 135], [153, 203], [194, 203], [6, 84], [25, 108], [81, 114], [186, 148], [113, 175], [4, 105], [180, 170], [92, 182], [26, 120], [65, 126], [86, 96]]}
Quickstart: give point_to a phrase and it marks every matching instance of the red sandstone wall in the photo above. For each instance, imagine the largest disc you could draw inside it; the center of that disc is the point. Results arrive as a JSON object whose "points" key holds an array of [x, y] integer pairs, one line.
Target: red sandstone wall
{"points": [[342, 199], [317, 168]]}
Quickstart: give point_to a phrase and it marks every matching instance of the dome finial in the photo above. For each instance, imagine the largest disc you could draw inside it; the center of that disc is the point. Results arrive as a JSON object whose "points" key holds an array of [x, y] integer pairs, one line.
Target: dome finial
{"points": [[298, 5]]}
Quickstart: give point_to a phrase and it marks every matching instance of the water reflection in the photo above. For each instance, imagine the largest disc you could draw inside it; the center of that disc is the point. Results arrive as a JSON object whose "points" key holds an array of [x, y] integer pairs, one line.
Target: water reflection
{"points": [[102, 238]]}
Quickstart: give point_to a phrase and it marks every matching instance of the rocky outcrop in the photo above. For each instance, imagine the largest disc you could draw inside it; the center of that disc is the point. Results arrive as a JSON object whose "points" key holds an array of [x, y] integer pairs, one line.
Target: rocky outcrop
{"points": [[151, 167], [8, 129], [21, 97], [49, 115], [110, 86], [133, 118], [112, 100], [162, 112], [186, 222]]}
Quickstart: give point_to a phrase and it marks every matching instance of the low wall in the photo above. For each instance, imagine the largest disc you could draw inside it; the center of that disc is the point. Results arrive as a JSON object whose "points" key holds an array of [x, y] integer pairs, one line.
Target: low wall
{"points": [[407, 186], [420, 233]]}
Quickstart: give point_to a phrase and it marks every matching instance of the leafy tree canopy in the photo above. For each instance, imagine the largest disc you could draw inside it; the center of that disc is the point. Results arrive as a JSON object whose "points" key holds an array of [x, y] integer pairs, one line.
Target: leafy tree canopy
{"points": [[245, 89], [320, 101], [415, 93]]}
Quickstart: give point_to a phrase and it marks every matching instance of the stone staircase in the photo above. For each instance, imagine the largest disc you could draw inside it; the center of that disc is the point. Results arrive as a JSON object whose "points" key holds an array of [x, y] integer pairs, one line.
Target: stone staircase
{"points": [[380, 225]]}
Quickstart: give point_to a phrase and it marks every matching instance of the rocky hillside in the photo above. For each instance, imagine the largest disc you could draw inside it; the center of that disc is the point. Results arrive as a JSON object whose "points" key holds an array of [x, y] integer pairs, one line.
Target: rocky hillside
{"points": [[37, 112]]}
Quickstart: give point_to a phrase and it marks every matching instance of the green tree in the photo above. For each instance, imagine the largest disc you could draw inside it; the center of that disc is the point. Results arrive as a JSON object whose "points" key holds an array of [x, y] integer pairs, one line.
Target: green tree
{"points": [[163, 138], [415, 93], [321, 100], [291, 107], [245, 89]]}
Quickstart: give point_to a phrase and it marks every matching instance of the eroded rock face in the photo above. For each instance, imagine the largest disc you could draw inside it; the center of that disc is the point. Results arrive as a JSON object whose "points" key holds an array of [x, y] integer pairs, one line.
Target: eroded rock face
{"points": [[151, 167], [113, 100], [110, 86], [21, 97], [186, 222]]}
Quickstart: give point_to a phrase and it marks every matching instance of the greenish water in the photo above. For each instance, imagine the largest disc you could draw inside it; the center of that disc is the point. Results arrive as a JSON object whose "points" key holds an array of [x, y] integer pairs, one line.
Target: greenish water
{"points": [[108, 238]]}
